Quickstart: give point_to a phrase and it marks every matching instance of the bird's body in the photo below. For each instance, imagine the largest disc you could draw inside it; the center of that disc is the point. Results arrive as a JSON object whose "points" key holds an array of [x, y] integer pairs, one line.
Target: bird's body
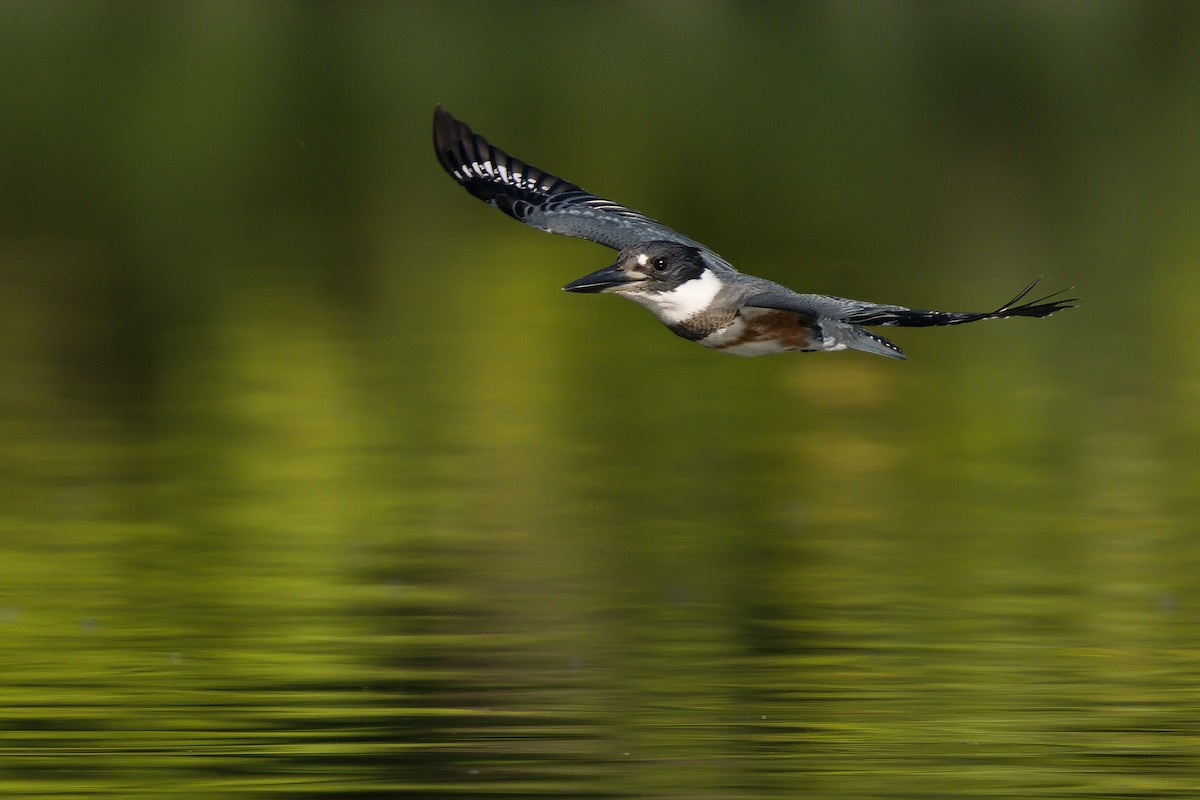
{"points": [[689, 288]]}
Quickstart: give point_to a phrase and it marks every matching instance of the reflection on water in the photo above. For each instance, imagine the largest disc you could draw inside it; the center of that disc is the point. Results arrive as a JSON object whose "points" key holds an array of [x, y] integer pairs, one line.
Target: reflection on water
{"points": [[304, 574], [306, 492]]}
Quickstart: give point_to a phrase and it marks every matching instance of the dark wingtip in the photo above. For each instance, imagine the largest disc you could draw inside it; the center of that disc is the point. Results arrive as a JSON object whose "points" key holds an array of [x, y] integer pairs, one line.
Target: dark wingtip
{"points": [[1020, 296], [1041, 307], [445, 136], [443, 119]]}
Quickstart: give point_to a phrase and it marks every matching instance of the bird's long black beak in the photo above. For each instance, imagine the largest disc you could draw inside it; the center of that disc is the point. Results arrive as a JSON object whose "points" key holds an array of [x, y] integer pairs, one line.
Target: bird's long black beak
{"points": [[599, 281]]}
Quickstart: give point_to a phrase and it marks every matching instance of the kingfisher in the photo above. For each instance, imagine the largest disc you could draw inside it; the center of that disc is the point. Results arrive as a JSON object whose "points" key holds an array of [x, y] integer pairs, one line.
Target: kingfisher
{"points": [[696, 293]]}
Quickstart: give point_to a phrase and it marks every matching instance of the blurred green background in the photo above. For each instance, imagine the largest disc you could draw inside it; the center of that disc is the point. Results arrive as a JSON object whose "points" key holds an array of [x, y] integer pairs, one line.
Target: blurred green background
{"points": [[315, 484]]}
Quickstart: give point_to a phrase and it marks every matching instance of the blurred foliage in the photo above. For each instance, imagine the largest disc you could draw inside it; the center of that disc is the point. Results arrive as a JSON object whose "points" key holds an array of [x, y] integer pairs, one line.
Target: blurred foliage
{"points": [[314, 483]]}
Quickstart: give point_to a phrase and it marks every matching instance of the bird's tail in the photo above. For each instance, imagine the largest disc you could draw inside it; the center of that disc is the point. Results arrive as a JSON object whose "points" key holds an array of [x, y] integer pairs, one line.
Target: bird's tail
{"points": [[918, 318], [839, 335]]}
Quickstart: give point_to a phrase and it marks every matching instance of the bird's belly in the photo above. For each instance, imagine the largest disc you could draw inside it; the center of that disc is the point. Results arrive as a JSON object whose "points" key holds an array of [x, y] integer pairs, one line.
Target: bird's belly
{"points": [[764, 333]]}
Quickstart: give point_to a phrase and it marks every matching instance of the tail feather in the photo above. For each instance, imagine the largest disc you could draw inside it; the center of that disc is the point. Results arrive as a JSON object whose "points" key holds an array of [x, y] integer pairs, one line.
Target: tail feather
{"points": [[919, 318], [856, 338]]}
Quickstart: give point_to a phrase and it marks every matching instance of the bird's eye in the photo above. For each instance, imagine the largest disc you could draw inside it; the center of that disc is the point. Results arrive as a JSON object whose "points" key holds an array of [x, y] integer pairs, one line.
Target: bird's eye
{"points": [[659, 264]]}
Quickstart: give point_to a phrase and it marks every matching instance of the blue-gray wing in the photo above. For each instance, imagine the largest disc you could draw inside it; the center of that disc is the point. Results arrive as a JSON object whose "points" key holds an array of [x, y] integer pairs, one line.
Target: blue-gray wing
{"points": [[537, 198], [840, 319], [859, 312], [817, 306]]}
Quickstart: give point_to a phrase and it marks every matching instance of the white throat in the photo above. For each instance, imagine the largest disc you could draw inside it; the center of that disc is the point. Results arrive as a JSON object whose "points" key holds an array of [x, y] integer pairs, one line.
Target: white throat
{"points": [[684, 301]]}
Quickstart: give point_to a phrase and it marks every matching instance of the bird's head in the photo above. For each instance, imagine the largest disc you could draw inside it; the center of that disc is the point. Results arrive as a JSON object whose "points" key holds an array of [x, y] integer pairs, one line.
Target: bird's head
{"points": [[669, 278]]}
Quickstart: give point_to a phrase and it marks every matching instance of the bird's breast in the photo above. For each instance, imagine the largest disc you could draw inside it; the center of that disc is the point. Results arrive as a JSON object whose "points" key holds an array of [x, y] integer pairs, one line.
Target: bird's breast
{"points": [[761, 331]]}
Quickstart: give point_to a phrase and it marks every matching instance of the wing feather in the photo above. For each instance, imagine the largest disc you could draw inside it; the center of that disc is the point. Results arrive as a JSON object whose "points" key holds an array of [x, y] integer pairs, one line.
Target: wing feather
{"points": [[858, 312], [537, 198]]}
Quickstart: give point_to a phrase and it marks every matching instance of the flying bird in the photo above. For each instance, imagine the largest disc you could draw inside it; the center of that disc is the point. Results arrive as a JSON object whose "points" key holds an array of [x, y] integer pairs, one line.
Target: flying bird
{"points": [[691, 289]]}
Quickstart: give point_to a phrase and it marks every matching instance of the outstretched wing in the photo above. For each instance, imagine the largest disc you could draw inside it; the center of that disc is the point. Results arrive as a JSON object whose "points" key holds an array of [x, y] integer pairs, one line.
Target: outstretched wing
{"points": [[537, 198], [858, 312], [840, 320]]}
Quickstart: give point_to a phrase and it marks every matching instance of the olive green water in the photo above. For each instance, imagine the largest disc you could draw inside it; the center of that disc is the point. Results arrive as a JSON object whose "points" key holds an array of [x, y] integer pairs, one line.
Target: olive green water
{"points": [[312, 483]]}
